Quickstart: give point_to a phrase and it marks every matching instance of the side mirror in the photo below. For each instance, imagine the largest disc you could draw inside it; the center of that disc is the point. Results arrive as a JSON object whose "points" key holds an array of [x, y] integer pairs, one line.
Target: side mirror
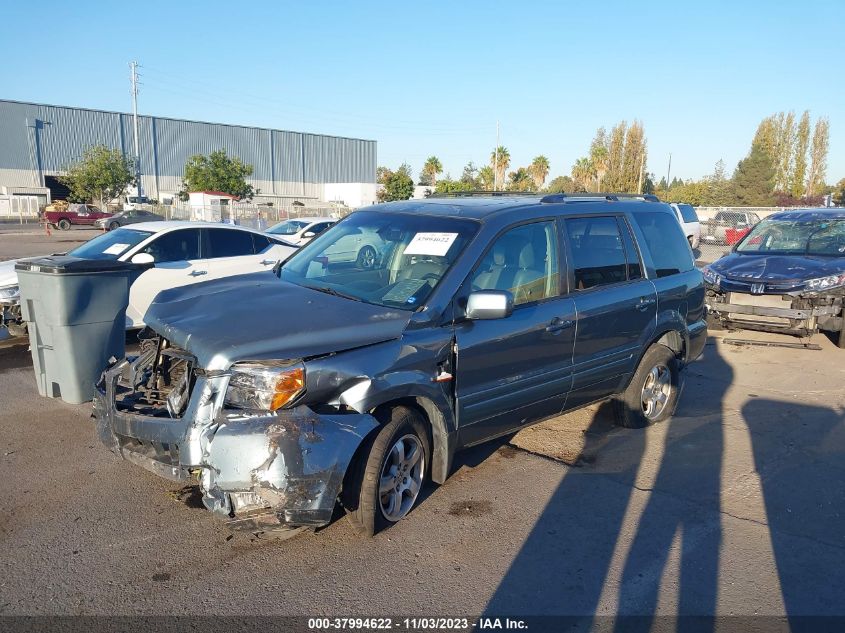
{"points": [[489, 304], [309, 234], [142, 258]]}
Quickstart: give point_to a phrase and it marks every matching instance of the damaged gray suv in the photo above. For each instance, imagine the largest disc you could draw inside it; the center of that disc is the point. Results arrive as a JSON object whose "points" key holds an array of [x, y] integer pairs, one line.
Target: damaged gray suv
{"points": [[331, 381]]}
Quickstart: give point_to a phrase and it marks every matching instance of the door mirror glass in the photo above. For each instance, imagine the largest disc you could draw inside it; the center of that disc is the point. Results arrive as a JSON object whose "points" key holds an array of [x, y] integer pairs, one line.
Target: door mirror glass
{"points": [[143, 258], [309, 234], [489, 304]]}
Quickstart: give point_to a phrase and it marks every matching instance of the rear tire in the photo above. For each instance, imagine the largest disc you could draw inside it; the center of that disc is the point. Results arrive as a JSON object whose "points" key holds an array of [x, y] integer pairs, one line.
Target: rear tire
{"points": [[385, 481], [64, 224], [652, 394], [840, 338]]}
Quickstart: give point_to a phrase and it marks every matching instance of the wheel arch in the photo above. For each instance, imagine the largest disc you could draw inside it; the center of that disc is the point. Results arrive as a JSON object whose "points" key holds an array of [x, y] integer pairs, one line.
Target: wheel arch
{"points": [[440, 437]]}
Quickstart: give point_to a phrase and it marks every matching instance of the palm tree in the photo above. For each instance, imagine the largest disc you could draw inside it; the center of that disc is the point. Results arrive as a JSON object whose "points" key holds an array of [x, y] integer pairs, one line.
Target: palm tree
{"points": [[599, 159], [486, 178], [431, 168], [539, 169], [582, 173], [521, 180], [500, 160]]}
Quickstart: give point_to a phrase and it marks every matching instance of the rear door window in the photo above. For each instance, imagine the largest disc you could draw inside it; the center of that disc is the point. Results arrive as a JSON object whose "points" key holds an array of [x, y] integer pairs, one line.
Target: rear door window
{"points": [[598, 254], [228, 243], [260, 243], [664, 239]]}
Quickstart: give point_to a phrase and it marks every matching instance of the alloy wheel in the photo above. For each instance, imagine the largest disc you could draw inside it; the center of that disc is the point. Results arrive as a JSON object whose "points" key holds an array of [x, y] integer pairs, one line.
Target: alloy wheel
{"points": [[401, 477], [656, 391]]}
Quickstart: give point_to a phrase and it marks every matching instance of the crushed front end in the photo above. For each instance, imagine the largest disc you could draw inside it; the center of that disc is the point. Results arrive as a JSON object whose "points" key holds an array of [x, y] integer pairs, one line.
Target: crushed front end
{"points": [[786, 307], [259, 470]]}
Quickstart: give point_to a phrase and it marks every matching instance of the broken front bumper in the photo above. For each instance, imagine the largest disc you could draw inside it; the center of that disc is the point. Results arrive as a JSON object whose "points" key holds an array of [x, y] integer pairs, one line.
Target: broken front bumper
{"points": [[258, 471], [786, 314]]}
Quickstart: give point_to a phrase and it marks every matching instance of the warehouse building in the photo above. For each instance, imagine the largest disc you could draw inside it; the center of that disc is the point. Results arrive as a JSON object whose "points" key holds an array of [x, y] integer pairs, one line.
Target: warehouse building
{"points": [[38, 142]]}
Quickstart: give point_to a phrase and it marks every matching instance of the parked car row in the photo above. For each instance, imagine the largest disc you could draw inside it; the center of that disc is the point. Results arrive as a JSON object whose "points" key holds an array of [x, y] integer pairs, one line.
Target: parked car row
{"points": [[393, 339]]}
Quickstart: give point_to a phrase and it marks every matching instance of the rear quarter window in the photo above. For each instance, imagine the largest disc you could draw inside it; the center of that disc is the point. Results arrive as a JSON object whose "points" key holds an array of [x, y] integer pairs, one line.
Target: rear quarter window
{"points": [[664, 239]]}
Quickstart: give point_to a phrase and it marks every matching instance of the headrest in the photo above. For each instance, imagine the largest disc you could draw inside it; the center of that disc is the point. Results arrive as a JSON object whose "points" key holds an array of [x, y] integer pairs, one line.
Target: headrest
{"points": [[526, 256]]}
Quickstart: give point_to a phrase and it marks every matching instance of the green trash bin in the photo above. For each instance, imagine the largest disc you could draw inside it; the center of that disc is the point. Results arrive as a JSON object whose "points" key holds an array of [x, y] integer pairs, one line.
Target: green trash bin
{"points": [[75, 311]]}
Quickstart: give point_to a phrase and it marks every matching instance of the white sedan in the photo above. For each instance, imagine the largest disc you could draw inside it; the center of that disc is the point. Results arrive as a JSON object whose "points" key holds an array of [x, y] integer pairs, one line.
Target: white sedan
{"points": [[182, 253], [689, 222], [300, 231]]}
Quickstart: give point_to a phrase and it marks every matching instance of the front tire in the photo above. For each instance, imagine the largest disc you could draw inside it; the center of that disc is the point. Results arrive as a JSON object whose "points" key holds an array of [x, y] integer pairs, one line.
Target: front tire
{"points": [[366, 258], [113, 226], [390, 473], [652, 394]]}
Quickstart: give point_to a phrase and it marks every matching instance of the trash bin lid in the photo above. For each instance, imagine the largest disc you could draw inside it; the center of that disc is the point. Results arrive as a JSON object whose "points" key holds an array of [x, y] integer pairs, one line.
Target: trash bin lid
{"points": [[69, 265]]}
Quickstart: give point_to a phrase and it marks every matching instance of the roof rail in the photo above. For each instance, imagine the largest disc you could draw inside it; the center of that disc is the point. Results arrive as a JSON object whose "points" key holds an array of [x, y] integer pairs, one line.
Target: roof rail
{"points": [[615, 197], [479, 193]]}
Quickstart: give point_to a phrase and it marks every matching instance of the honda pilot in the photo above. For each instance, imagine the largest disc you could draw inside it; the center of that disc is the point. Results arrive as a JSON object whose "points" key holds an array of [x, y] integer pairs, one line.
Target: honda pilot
{"points": [[333, 381]]}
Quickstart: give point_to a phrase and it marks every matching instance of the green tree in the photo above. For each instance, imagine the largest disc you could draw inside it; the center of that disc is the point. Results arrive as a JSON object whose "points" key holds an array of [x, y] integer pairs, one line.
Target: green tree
{"points": [[101, 174], [633, 158], [520, 180], [539, 170], [503, 156], [839, 193], [754, 179], [217, 172], [382, 174], [399, 185], [447, 185], [470, 175], [615, 177], [561, 184], [430, 170], [582, 174], [799, 163], [818, 157], [486, 178]]}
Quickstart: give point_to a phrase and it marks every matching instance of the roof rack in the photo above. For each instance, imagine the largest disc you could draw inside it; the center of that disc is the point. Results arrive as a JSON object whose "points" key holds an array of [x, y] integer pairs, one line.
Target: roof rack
{"points": [[614, 197], [480, 193]]}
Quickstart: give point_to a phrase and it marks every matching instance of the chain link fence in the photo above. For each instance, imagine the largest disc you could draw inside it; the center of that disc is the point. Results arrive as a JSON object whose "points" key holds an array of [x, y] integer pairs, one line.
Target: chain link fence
{"points": [[723, 227]]}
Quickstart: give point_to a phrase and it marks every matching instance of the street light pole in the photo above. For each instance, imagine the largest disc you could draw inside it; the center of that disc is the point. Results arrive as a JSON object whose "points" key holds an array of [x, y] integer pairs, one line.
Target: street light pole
{"points": [[496, 160], [133, 77]]}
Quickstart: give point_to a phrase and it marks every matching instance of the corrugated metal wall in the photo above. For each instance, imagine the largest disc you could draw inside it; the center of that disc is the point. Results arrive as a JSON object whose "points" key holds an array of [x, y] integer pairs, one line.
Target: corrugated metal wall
{"points": [[34, 136]]}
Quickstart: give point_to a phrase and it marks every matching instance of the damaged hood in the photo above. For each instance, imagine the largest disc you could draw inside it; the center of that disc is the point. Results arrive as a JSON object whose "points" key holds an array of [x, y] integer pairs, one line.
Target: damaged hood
{"points": [[777, 268], [258, 316], [8, 276]]}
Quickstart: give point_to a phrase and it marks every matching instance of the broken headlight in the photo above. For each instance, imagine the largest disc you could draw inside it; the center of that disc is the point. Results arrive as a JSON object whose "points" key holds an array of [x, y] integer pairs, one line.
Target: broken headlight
{"points": [[711, 276], [265, 385], [10, 294], [824, 283]]}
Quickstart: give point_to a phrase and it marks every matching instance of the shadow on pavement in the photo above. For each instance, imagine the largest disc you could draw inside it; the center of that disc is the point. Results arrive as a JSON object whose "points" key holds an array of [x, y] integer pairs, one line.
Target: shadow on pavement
{"points": [[564, 565]]}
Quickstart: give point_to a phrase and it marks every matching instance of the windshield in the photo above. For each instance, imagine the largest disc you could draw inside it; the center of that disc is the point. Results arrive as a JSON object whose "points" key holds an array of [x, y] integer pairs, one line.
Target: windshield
{"points": [[388, 259], [110, 245], [288, 227], [688, 213], [791, 237]]}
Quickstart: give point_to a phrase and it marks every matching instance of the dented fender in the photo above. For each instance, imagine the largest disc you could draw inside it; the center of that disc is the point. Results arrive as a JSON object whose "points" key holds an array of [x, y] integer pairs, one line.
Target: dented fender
{"points": [[277, 470]]}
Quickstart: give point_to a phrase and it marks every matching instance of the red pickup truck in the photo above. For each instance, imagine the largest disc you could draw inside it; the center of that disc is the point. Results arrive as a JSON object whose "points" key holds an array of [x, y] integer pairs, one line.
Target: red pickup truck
{"points": [[84, 214]]}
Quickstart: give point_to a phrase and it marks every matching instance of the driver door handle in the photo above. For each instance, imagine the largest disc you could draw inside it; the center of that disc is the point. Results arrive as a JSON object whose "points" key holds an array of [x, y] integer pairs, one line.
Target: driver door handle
{"points": [[268, 262], [197, 273], [558, 325]]}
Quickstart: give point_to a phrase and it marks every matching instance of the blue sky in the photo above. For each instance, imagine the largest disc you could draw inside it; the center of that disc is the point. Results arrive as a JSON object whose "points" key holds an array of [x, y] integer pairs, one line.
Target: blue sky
{"points": [[433, 77]]}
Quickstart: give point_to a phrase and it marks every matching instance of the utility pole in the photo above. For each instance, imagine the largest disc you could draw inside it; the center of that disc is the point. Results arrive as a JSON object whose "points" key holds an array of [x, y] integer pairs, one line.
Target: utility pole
{"points": [[496, 160], [133, 78], [668, 171]]}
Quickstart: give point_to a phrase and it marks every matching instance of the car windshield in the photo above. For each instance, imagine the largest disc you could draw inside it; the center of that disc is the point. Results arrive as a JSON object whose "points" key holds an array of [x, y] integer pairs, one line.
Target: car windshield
{"points": [[688, 213], [388, 259], [796, 237], [288, 227], [110, 245]]}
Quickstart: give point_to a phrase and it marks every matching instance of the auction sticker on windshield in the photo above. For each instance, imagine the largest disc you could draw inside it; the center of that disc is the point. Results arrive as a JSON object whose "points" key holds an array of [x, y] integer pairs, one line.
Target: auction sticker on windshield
{"points": [[436, 244], [116, 249]]}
